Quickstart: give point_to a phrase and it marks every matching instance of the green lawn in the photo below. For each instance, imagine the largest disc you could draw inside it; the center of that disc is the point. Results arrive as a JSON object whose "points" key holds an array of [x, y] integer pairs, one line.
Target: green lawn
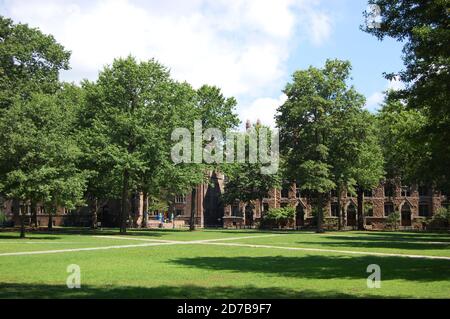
{"points": [[187, 269]]}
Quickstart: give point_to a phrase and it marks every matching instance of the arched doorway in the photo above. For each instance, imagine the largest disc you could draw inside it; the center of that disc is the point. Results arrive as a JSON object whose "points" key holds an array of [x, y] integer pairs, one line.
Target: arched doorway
{"points": [[406, 215], [351, 215], [299, 216], [249, 215]]}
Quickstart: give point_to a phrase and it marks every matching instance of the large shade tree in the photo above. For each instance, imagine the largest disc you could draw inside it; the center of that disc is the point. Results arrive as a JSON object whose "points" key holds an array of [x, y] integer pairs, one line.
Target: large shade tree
{"points": [[30, 62], [39, 155], [317, 141], [423, 27]]}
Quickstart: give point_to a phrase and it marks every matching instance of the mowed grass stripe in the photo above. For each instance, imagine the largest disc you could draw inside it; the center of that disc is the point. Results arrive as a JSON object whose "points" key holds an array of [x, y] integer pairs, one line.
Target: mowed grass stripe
{"points": [[154, 242], [327, 250]]}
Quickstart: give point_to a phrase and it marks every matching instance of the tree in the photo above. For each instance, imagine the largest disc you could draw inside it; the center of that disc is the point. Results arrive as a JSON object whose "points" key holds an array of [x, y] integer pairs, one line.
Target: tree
{"points": [[423, 28], [39, 154], [30, 62], [311, 122], [399, 128], [130, 104], [215, 112], [247, 181], [368, 169]]}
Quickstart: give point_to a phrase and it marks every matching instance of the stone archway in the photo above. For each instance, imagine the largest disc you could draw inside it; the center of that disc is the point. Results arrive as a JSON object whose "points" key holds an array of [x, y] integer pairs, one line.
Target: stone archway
{"points": [[299, 215], [249, 209], [351, 215], [405, 215]]}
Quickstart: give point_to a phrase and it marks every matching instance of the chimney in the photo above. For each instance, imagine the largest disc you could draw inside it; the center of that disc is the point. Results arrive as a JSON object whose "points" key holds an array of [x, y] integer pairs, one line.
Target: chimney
{"points": [[248, 125]]}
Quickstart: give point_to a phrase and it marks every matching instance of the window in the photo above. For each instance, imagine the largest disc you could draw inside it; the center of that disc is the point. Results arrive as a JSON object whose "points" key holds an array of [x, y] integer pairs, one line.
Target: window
{"points": [[423, 191], [179, 212], [388, 209], [285, 192], [368, 209], [235, 210], [389, 190], [406, 191], [367, 193], [298, 193], [424, 209], [180, 199], [266, 207], [283, 205], [334, 209]]}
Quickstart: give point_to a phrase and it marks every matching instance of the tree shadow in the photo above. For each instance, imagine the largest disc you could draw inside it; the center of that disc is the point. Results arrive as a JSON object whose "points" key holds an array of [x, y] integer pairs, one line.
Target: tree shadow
{"points": [[326, 267], [410, 236], [362, 242], [41, 291], [28, 238]]}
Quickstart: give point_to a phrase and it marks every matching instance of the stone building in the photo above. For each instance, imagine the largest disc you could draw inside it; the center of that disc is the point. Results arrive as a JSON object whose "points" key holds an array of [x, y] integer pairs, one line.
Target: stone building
{"points": [[414, 203]]}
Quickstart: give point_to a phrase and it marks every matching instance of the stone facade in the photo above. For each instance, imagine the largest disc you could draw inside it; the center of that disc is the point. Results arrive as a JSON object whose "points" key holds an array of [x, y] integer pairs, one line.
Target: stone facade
{"points": [[413, 203]]}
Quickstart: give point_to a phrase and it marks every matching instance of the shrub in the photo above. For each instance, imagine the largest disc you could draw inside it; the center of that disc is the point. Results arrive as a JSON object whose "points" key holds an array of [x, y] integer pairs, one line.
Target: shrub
{"points": [[279, 217], [2, 217], [441, 219], [393, 220]]}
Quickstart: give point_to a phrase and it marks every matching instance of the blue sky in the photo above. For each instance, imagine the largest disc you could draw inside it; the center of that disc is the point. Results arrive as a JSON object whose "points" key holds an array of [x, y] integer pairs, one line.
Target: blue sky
{"points": [[249, 48]]}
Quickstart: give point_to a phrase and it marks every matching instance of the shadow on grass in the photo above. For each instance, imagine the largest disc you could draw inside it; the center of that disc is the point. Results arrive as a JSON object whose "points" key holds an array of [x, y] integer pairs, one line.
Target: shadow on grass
{"points": [[326, 267], [41, 291], [28, 238], [363, 242]]}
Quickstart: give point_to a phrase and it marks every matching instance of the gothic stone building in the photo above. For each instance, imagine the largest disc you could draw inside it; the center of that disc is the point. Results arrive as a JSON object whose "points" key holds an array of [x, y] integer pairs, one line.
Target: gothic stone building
{"points": [[413, 203]]}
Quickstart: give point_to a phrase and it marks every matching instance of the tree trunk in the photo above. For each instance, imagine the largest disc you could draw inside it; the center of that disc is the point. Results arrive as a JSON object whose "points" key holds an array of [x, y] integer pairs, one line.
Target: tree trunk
{"points": [[50, 220], [22, 220], [34, 219], [144, 210], [261, 211], [339, 209], [94, 213], [193, 204], [320, 214], [124, 208], [132, 214], [360, 208]]}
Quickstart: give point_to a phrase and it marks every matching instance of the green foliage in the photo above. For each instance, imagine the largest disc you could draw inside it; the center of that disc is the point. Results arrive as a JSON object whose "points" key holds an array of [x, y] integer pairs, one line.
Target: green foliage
{"points": [[279, 217], [393, 220], [246, 181], [38, 151], [326, 139], [440, 219], [2, 217], [399, 129], [422, 26], [30, 62]]}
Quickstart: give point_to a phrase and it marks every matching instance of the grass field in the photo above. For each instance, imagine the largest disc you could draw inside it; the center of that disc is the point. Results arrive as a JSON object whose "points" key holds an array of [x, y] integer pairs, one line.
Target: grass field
{"points": [[224, 264]]}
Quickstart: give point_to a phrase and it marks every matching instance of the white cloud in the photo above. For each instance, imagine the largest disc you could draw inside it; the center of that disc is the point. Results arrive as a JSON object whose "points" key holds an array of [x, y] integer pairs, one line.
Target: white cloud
{"points": [[376, 99], [242, 46], [373, 102], [320, 27], [263, 109], [395, 84]]}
